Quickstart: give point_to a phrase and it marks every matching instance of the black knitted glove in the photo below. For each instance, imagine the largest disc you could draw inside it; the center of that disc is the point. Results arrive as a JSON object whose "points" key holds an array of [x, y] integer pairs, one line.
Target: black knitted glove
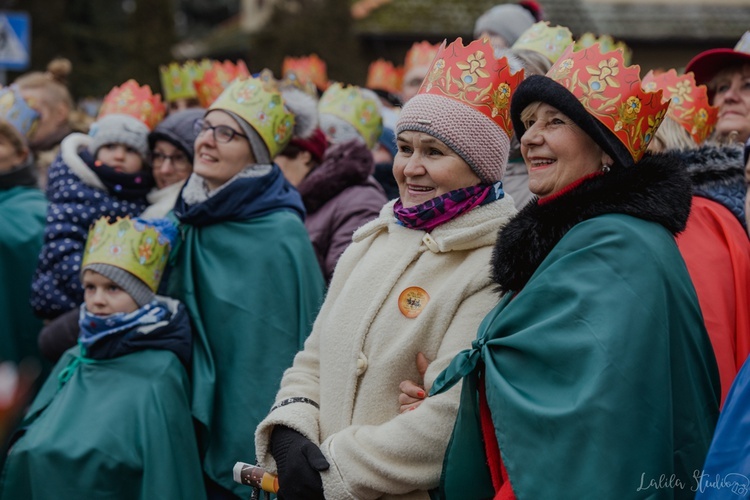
{"points": [[299, 462]]}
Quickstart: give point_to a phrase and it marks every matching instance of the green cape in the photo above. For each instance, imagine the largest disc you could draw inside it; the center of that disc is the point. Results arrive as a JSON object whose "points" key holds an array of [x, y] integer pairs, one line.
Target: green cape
{"points": [[253, 289], [23, 212], [599, 374], [118, 429]]}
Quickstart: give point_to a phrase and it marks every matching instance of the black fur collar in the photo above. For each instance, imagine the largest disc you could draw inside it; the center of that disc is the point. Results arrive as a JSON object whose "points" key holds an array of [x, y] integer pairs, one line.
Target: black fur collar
{"points": [[709, 165], [655, 189]]}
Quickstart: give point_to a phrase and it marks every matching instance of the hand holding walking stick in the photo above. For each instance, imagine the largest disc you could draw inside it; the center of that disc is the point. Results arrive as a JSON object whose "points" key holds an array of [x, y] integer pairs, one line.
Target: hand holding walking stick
{"points": [[255, 476]]}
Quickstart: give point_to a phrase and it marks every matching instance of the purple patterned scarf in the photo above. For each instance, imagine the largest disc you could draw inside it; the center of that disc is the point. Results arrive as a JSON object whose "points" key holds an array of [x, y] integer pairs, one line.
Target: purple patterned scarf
{"points": [[448, 206]]}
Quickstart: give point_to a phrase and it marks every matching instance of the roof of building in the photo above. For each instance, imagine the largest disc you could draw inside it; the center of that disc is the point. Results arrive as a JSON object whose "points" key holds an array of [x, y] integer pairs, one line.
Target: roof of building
{"points": [[635, 20]]}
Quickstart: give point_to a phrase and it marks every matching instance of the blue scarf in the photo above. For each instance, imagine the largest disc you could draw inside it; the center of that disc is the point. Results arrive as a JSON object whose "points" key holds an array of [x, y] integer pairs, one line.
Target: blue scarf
{"points": [[94, 328], [243, 199]]}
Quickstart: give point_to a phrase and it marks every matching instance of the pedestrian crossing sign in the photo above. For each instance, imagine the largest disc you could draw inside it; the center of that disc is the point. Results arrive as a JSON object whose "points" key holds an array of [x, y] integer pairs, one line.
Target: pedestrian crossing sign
{"points": [[15, 28]]}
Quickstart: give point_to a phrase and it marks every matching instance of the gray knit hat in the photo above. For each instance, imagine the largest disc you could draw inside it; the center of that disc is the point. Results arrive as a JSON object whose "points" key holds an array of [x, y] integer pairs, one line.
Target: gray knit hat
{"points": [[474, 137], [178, 129], [120, 129], [137, 289], [508, 21]]}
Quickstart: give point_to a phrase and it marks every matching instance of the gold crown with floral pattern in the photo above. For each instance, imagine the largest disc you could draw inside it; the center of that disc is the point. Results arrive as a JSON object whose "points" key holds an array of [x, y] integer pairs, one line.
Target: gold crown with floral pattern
{"points": [[383, 75], [352, 106], [217, 78], [607, 44], [545, 39], [689, 104], [611, 92], [136, 101], [472, 76], [261, 105], [178, 80], [309, 68], [130, 245], [420, 54]]}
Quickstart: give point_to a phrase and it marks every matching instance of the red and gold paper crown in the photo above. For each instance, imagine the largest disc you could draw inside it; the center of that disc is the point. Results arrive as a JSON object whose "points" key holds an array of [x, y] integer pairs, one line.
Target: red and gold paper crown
{"points": [[420, 54], [383, 75], [548, 41], [689, 104], [472, 76], [311, 68], [217, 78], [611, 92], [607, 44], [134, 100], [177, 80]]}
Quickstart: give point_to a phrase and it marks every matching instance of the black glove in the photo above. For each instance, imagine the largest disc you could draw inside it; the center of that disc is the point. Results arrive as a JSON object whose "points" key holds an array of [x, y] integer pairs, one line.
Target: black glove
{"points": [[299, 463]]}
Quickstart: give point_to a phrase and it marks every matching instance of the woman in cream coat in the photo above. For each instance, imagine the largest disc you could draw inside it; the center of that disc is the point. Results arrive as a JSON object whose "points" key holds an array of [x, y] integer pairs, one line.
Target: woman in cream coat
{"points": [[415, 280]]}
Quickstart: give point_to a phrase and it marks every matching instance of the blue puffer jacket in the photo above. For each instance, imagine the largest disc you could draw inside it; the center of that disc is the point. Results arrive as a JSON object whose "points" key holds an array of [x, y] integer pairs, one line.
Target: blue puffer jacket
{"points": [[718, 173], [77, 198]]}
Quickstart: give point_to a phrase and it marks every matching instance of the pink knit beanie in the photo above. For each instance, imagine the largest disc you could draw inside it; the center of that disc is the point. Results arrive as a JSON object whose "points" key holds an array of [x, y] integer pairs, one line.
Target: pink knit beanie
{"points": [[474, 137]]}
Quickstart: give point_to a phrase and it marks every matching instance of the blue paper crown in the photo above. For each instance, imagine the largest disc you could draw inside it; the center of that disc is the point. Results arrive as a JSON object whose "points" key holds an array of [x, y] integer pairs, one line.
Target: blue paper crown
{"points": [[16, 111]]}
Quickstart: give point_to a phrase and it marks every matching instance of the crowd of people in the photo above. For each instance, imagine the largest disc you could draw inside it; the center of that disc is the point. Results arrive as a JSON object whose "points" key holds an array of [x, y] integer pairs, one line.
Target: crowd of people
{"points": [[512, 267]]}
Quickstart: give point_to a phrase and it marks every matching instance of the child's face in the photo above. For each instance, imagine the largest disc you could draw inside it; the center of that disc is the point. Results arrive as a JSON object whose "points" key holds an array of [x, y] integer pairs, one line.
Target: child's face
{"points": [[120, 157], [104, 297]]}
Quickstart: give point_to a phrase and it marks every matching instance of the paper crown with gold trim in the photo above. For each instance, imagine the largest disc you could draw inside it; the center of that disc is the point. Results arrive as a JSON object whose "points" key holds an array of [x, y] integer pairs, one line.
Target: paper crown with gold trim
{"points": [[383, 75], [217, 78], [607, 44], [472, 76], [15, 110], [261, 105], [178, 80], [129, 244], [545, 39], [689, 104], [136, 101], [420, 54], [307, 68], [355, 108], [593, 88]]}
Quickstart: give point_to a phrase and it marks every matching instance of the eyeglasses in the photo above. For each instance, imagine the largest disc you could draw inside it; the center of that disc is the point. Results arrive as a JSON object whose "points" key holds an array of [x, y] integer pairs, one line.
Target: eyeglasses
{"points": [[179, 160], [222, 133]]}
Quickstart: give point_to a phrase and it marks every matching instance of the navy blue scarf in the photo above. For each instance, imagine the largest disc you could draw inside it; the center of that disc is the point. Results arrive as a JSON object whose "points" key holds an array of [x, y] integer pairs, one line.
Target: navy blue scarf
{"points": [[242, 199]]}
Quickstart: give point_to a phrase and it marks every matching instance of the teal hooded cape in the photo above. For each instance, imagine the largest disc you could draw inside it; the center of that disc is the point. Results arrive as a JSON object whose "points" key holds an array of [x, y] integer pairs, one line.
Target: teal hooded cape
{"points": [[253, 287], [599, 374]]}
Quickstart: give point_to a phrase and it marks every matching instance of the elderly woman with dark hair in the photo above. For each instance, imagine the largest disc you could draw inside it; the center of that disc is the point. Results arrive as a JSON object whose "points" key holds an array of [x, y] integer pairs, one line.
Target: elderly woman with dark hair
{"points": [[594, 376]]}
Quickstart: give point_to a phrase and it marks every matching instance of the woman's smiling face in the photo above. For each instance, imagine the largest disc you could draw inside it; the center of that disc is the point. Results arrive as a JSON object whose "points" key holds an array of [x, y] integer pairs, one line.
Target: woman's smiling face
{"points": [[425, 168], [557, 152]]}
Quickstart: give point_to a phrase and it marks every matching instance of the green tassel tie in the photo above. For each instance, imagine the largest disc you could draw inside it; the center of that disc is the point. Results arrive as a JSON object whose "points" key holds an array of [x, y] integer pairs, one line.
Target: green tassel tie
{"points": [[67, 373]]}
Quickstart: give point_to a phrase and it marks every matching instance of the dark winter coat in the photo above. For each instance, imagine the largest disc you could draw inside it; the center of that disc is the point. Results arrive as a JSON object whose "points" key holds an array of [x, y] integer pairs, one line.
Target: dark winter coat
{"points": [[77, 198], [340, 196]]}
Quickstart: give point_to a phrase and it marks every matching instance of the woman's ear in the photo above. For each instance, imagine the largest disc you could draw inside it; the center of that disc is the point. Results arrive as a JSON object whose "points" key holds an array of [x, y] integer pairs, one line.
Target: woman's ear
{"points": [[606, 159]]}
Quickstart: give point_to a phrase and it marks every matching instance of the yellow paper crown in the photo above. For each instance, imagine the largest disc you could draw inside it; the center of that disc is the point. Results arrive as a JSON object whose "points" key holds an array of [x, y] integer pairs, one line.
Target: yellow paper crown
{"points": [[352, 106], [306, 69], [472, 76], [420, 54], [607, 44], [217, 78], [383, 75], [178, 80], [548, 41], [129, 245], [611, 92], [261, 105], [689, 104], [136, 101]]}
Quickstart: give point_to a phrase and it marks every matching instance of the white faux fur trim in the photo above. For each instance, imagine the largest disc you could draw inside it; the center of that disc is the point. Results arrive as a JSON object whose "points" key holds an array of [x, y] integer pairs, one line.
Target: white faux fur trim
{"points": [[69, 149]]}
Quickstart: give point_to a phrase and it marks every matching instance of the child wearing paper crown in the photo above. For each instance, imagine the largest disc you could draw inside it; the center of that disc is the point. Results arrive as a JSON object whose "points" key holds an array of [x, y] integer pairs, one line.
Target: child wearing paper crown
{"points": [[113, 419], [103, 173]]}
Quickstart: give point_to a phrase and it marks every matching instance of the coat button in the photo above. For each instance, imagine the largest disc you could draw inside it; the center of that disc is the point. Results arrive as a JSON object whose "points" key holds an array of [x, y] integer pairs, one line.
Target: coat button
{"points": [[361, 364]]}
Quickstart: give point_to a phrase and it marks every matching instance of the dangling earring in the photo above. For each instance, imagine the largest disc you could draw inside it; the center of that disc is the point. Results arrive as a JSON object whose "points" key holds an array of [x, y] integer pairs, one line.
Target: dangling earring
{"points": [[605, 168]]}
